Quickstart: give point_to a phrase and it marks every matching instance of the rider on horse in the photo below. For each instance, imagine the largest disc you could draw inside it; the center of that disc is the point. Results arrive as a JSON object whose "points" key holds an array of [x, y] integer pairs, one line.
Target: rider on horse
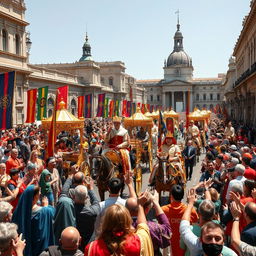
{"points": [[117, 138], [171, 151]]}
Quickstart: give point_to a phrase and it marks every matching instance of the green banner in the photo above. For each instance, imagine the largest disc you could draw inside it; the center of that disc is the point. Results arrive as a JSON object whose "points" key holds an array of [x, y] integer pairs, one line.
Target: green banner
{"points": [[42, 103], [106, 107]]}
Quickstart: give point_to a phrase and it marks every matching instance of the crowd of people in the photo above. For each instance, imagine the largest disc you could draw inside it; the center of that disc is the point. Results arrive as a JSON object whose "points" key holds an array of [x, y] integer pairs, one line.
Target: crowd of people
{"points": [[46, 209]]}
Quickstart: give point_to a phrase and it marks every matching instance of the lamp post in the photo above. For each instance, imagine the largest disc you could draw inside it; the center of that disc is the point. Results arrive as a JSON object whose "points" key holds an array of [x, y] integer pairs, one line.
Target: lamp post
{"points": [[28, 45]]}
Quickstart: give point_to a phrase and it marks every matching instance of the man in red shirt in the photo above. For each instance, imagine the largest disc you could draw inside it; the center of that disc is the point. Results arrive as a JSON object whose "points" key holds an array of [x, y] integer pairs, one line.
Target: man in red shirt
{"points": [[174, 212], [249, 173], [13, 162]]}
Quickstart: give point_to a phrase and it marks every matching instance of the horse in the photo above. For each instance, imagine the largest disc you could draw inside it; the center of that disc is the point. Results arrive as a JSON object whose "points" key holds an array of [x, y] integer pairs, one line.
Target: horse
{"points": [[167, 175], [102, 170]]}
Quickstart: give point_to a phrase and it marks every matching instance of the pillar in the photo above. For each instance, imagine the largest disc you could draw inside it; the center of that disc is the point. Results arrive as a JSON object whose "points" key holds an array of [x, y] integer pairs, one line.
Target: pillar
{"points": [[163, 99], [173, 100], [184, 101]]}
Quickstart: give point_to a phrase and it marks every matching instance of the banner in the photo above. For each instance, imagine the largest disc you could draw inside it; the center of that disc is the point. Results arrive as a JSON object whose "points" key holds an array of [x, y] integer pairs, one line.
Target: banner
{"points": [[131, 93], [52, 131], [101, 99], [117, 107], [143, 108], [106, 107], [88, 106], [151, 109], [42, 103], [63, 96], [124, 109], [161, 129], [80, 111], [7, 81], [147, 109], [31, 106], [133, 108], [111, 109], [129, 108]]}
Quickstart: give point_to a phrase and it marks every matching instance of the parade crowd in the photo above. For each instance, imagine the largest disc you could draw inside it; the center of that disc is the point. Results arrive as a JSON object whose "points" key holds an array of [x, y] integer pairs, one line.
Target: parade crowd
{"points": [[47, 208]]}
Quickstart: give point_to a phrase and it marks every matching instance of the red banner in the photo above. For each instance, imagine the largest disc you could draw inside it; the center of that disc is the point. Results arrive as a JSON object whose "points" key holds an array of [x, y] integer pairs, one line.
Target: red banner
{"points": [[124, 109], [111, 109], [62, 95], [80, 112], [143, 108], [31, 105], [101, 99], [88, 106]]}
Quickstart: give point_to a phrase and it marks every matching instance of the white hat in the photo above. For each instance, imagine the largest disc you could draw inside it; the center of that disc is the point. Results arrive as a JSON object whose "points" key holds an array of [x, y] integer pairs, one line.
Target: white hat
{"points": [[233, 147]]}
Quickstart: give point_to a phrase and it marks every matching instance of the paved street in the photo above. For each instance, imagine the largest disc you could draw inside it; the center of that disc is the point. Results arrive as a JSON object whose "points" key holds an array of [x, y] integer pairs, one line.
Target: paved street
{"points": [[165, 195]]}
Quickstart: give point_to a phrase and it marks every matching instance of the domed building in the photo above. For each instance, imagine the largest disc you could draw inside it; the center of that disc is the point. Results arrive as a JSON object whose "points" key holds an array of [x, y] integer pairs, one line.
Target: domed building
{"points": [[172, 90]]}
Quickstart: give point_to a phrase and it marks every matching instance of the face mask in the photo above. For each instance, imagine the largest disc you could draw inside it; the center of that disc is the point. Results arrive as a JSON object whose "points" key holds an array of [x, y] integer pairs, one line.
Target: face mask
{"points": [[212, 249]]}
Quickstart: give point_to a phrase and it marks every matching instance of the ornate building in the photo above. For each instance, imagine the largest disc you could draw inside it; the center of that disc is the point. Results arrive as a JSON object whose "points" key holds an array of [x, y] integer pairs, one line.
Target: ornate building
{"points": [[240, 83], [84, 76], [172, 90]]}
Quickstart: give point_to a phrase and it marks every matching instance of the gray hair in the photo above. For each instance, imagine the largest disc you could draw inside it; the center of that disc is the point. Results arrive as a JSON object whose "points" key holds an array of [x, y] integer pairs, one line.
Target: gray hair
{"points": [[5, 209], [31, 166], [207, 210], [240, 168], [8, 231], [237, 188], [81, 194]]}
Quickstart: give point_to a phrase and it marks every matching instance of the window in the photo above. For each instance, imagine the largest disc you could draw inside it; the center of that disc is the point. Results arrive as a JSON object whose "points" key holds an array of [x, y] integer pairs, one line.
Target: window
{"points": [[151, 89], [218, 96], [151, 97], [158, 97], [20, 116], [73, 106], [19, 93], [17, 44], [197, 96], [110, 81], [211, 97], [204, 96], [50, 103], [4, 40], [102, 80]]}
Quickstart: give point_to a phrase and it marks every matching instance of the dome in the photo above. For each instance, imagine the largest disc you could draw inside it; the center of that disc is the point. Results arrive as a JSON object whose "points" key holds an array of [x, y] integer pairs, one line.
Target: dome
{"points": [[179, 58]]}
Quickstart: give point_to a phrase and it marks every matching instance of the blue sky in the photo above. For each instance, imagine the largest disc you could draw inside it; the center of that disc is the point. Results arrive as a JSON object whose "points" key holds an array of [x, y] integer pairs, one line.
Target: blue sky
{"points": [[137, 32]]}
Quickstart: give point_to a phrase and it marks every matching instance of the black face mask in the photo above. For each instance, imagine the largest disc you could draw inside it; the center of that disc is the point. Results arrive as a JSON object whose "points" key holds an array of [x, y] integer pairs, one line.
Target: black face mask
{"points": [[212, 249]]}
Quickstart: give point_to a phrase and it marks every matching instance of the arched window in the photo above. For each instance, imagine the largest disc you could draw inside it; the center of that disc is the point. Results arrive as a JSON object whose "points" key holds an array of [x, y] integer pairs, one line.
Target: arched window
{"points": [[111, 81], [73, 106], [50, 106], [4, 40], [17, 44]]}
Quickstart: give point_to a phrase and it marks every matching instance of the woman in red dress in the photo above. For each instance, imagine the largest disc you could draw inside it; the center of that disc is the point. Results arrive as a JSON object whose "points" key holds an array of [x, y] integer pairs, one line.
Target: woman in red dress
{"points": [[118, 237]]}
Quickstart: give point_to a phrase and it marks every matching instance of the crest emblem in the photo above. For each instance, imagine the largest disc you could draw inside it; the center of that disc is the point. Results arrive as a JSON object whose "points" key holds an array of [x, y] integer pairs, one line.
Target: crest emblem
{"points": [[5, 101], [42, 102]]}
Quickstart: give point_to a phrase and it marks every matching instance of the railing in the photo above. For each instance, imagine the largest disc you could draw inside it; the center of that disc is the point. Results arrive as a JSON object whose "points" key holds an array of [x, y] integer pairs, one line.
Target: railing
{"points": [[245, 75]]}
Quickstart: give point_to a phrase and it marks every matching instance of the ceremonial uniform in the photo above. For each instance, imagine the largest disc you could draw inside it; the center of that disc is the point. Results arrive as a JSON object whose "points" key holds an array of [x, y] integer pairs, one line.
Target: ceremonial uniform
{"points": [[229, 133], [194, 133]]}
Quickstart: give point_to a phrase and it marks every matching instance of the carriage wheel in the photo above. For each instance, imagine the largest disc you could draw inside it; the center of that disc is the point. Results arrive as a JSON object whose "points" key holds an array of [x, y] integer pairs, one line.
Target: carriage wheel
{"points": [[138, 180]]}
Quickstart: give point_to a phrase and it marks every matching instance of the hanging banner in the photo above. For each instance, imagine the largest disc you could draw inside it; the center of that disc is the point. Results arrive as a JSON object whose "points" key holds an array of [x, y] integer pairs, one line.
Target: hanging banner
{"points": [[42, 103], [101, 100], [31, 106]]}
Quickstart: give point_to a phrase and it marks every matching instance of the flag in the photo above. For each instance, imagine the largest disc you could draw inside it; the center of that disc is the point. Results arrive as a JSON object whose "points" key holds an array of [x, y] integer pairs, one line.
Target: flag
{"points": [[143, 108], [52, 131], [106, 107], [129, 108], [80, 112], [161, 129], [101, 99], [31, 106], [111, 108], [151, 109], [7, 81], [131, 93], [117, 107], [88, 106], [42, 103], [147, 107], [124, 109], [187, 109], [63, 95], [133, 108]]}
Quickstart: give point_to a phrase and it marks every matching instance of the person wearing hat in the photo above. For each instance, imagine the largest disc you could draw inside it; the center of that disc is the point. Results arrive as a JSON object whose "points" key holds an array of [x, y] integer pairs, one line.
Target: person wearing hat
{"points": [[193, 132], [118, 138]]}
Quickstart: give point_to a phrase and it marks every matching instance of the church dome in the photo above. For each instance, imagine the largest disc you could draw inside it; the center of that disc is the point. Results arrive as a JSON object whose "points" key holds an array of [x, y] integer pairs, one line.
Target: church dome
{"points": [[86, 51], [178, 55], [179, 58]]}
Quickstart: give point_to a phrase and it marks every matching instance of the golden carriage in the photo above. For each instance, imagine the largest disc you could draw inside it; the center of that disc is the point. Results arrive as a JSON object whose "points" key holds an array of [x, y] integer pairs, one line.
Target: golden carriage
{"points": [[139, 120], [65, 121]]}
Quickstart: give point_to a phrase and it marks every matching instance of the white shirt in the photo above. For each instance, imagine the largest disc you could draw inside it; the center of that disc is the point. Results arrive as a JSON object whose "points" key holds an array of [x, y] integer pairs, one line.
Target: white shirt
{"points": [[237, 181]]}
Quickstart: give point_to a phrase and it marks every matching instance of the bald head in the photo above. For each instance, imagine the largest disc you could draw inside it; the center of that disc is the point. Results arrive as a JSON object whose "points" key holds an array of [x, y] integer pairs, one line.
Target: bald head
{"points": [[132, 206], [70, 239], [250, 210], [78, 178]]}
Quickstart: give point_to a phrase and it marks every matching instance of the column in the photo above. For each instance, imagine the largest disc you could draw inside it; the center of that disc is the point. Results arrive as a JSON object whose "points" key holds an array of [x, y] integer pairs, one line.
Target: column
{"points": [[191, 101], [163, 99], [173, 100], [184, 101]]}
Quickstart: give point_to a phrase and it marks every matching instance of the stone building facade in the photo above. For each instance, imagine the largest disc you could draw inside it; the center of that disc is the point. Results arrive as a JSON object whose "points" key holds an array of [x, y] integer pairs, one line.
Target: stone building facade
{"points": [[172, 90], [240, 83], [84, 76]]}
